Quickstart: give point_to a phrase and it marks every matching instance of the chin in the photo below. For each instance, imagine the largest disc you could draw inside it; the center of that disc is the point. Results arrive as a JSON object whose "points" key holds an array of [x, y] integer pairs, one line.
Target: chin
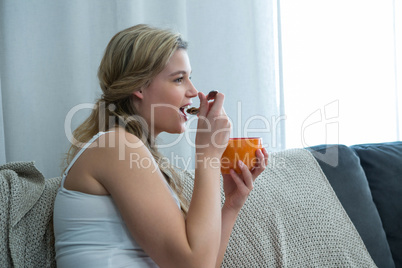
{"points": [[180, 129]]}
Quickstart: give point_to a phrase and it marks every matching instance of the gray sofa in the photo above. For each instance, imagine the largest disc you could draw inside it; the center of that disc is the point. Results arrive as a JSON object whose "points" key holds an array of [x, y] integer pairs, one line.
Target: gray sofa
{"points": [[367, 179]]}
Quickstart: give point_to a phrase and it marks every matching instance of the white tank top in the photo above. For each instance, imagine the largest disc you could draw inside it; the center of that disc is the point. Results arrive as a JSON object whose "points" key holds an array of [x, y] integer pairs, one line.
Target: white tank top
{"points": [[90, 232]]}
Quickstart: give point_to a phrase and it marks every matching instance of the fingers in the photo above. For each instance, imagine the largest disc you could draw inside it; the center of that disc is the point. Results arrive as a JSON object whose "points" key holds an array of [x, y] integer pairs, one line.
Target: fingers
{"points": [[250, 176], [264, 151], [217, 104], [262, 156], [213, 127], [262, 163], [246, 178], [241, 184], [204, 105]]}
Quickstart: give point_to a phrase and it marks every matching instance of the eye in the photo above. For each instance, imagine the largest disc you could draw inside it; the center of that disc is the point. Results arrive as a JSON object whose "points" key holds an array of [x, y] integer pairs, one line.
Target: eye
{"points": [[179, 80]]}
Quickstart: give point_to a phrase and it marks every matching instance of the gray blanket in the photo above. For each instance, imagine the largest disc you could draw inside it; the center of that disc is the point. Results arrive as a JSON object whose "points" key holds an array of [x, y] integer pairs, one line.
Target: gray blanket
{"points": [[292, 218], [26, 209]]}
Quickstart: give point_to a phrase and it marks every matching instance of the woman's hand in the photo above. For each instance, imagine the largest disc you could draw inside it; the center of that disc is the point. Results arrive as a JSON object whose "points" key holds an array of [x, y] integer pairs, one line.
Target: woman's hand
{"points": [[213, 127], [237, 187]]}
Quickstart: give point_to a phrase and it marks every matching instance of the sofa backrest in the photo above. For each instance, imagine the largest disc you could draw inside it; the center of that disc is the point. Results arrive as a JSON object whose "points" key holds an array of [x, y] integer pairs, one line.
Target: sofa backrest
{"points": [[357, 175], [382, 165]]}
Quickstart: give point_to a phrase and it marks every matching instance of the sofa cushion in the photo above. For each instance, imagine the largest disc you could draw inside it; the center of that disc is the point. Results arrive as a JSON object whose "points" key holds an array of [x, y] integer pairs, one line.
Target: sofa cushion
{"points": [[382, 164], [342, 168]]}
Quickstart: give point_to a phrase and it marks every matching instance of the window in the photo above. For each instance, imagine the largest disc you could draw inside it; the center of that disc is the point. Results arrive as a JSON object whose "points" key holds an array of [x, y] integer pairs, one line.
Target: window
{"points": [[339, 61]]}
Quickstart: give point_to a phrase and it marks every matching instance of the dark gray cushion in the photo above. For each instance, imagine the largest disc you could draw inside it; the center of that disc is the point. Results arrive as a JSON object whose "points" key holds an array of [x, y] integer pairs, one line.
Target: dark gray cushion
{"points": [[382, 164], [342, 168]]}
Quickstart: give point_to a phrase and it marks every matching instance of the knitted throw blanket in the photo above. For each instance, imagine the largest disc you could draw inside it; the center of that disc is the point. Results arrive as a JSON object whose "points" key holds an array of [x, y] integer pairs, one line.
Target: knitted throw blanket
{"points": [[292, 218], [26, 209]]}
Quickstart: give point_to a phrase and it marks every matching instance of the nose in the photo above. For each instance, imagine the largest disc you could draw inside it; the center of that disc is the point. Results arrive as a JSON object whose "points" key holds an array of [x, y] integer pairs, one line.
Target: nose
{"points": [[192, 92]]}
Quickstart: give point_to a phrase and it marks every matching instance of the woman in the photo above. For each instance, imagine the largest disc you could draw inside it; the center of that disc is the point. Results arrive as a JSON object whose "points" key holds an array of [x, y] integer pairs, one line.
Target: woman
{"points": [[120, 203]]}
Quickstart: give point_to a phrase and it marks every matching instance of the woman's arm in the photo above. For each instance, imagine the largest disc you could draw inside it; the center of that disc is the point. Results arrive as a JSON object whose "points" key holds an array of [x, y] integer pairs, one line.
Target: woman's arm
{"points": [[229, 217], [237, 188], [204, 214]]}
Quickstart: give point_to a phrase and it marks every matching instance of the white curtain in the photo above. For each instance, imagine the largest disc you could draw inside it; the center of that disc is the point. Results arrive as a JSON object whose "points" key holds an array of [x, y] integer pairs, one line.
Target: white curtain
{"points": [[50, 52]]}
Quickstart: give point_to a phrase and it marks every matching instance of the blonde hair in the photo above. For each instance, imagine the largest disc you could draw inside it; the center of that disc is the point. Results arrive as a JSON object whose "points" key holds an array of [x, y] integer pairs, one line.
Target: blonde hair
{"points": [[132, 59]]}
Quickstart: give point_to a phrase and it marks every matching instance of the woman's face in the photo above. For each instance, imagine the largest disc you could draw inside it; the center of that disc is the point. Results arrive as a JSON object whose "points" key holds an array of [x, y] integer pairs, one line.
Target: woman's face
{"points": [[163, 102]]}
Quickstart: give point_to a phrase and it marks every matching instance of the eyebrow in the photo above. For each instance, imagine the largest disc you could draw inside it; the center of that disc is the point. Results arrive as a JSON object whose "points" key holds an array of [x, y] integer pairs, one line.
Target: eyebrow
{"points": [[178, 72]]}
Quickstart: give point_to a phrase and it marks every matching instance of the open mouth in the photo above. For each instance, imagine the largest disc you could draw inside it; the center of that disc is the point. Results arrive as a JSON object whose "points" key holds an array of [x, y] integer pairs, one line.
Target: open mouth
{"points": [[183, 109]]}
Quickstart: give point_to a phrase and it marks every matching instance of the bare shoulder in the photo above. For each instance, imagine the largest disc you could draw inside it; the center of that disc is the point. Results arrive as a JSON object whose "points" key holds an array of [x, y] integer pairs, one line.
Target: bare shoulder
{"points": [[117, 152], [105, 157]]}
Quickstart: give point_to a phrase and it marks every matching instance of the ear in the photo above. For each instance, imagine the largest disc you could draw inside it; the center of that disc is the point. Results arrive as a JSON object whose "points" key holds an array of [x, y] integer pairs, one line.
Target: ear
{"points": [[138, 94]]}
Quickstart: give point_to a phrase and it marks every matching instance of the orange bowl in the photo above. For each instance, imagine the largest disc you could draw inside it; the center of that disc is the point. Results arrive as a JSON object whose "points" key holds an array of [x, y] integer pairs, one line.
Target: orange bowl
{"points": [[240, 149]]}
